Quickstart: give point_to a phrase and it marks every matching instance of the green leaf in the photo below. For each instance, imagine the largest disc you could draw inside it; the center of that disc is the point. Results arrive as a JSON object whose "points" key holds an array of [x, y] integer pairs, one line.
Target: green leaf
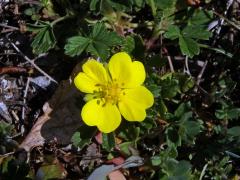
{"points": [[152, 4], [134, 46], [157, 61], [139, 3], [156, 160], [125, 148], [201, 17], [164, 4], [182, 109], [169, 87], [173, 137], [188, 46], [29, 11], [83, 136], [45, 38], [121, 5], [50, 172], [177, 168], [107, 9], [76, 45], [93, 4], [228, 113], [162, 108], [99, 42], [129, 132], [102, 40], [108, 141], [196, 32], [173, 32], [192, 129], [234, 131], [186, 82]]}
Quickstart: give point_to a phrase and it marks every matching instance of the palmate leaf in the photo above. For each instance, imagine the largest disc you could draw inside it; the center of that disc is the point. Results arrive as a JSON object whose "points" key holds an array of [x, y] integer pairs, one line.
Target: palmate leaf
{"points": [[98, 42], [76, 45], [45, 38], [196, 32], [188, 37], [188, 46], [173, 32]]}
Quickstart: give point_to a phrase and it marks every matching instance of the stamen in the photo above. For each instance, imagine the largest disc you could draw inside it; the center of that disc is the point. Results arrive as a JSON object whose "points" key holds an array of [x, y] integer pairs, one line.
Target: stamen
{"points": [[108, 93], [98, 102]]}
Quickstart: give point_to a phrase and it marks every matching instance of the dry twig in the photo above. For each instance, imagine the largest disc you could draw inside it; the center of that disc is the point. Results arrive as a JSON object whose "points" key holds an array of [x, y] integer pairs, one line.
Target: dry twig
{"points": [[32, 62]]}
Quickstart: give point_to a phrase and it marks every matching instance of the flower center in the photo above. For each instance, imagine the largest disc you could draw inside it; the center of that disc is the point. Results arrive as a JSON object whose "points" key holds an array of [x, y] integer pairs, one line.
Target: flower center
{"points": [[111, 93]]}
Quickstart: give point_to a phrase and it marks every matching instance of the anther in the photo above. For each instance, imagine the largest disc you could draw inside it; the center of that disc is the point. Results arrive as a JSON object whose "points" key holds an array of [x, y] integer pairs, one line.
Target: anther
{"points": [[98, 102]]}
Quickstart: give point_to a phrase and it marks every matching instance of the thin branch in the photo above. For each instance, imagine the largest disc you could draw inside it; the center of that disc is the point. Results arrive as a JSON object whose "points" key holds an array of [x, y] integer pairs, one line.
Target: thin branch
{"points": [[32, 62], [169, 60], [6, 155], [24, 97], [36, 58], [232, 23], [170, 64], [199, 77], [9, 27], [186, 67]]}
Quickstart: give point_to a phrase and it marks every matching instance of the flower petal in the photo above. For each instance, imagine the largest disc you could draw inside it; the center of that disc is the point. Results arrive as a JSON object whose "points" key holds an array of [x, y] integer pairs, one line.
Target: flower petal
{"points": [[132, 111], [96, 71], [93, 73], [133, 103], [85, 83], [128, 74], [140, 94], [105, 116], [120, 67], [138, 75]]}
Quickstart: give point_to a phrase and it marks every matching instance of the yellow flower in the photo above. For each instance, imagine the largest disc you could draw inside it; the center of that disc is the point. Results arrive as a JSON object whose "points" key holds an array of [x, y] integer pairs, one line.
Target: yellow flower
{"points": [[113, 90]]}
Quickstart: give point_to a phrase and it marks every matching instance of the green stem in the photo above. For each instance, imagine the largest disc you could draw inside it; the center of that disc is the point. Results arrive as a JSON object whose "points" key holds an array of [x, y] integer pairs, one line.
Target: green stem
{"points": [[59, 19], [221, 51]]}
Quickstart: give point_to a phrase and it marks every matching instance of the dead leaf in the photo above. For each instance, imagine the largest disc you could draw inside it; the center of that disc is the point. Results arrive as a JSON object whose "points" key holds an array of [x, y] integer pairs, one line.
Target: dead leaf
{"points": [[116, 175], [65, 117], [98, 137], [34, 138], [116, 161], [92, 156], [61, 117]]}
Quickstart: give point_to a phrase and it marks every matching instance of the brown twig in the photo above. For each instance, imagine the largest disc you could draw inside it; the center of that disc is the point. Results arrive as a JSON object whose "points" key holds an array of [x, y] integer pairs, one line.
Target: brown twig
{"points": [[199, 77], [12, 70], [169, 60], [32, 62], [9, 27], [24, 97]]}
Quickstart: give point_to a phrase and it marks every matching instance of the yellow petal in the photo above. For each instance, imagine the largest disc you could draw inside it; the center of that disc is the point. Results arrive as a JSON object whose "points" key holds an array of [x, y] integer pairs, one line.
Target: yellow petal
{"points": [[120, 67], [85, 83], [126, 73], [106, 117], [140, 94], [96, 71], [138, 75], [131, 110], [134, 102]]}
